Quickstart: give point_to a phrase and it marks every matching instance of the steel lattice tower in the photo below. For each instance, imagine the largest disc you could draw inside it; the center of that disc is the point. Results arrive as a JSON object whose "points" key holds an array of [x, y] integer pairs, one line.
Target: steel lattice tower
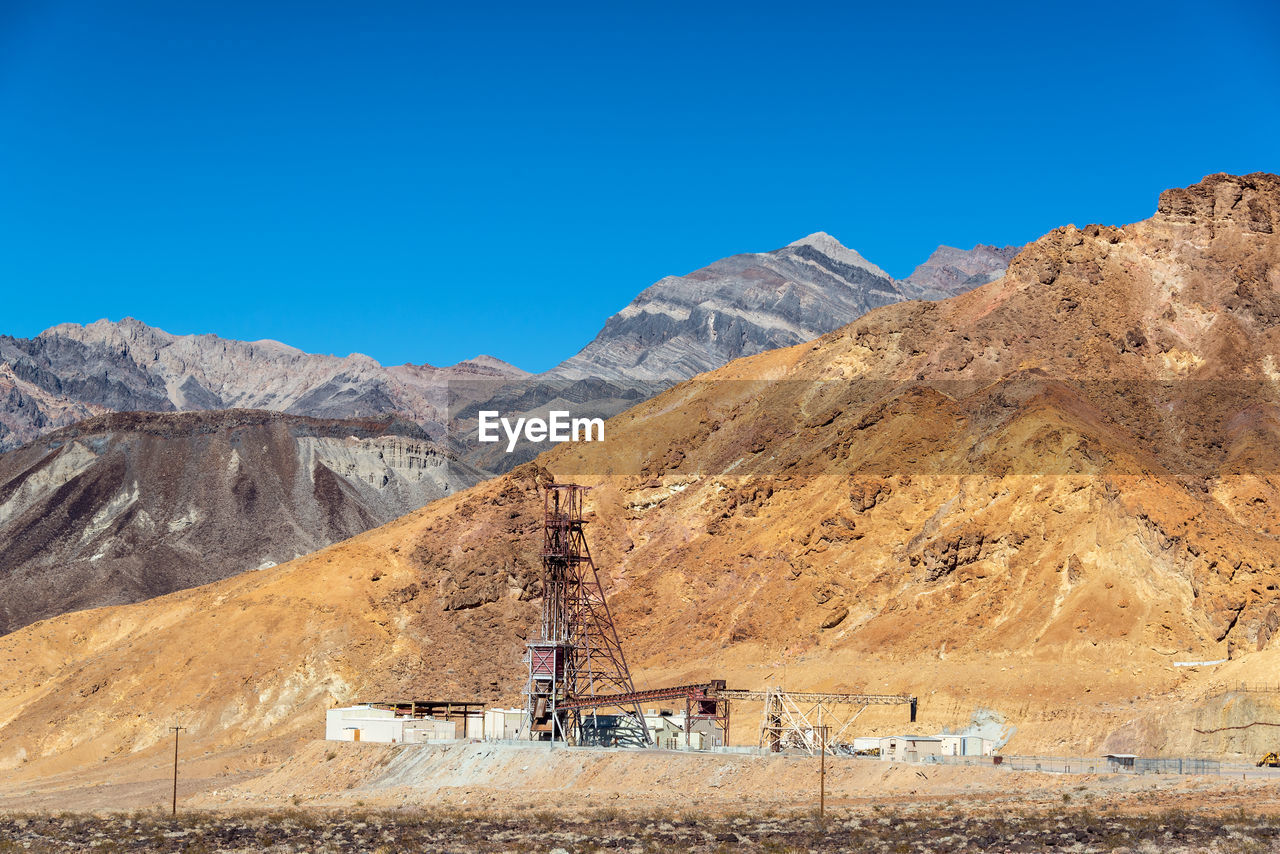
{"points": [[578, 655]]}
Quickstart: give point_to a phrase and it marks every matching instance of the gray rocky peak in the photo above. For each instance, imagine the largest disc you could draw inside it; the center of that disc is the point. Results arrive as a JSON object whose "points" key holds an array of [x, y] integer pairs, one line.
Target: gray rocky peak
{"points": [[834, 249], [738, 306], [73, 370], [950, 271]]}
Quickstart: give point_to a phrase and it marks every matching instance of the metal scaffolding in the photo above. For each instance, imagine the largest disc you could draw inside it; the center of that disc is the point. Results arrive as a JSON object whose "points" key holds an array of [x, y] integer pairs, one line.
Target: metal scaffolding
{"points": [[702, 702], [796, 720], [578, 656]]}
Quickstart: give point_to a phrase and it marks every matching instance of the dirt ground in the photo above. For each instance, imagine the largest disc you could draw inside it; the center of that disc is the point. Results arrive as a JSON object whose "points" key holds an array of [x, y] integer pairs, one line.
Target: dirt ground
{"points": [[498, 778], [347, 797]]}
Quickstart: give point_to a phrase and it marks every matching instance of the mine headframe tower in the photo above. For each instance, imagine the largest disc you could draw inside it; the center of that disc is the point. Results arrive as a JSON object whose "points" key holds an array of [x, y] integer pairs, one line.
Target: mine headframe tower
{"points": [[578, 656]]}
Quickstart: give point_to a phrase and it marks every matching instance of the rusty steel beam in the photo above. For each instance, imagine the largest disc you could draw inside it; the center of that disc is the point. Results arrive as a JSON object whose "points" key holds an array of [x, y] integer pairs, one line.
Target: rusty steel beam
{"points": [[823, 697], [707, 690]]}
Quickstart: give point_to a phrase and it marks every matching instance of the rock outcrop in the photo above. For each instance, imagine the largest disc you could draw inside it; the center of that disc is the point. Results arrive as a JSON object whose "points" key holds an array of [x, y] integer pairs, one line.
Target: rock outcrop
{"points": [[125, 507]]}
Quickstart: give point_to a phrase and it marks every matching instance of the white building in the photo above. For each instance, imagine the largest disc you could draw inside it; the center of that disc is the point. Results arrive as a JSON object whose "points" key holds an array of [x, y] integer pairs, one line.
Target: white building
{"points": [[667, 731], [666, 728], [909, 748], [504, 724], [369, 723], [914, 748], [964, 745]]}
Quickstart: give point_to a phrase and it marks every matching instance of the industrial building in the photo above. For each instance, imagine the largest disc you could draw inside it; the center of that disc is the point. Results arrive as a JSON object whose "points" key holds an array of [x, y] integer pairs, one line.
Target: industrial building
{"points": [[405, 723], [504, 724], [667, 728], [916, 748], [371, 723], [909, 748], [579, 689], [965, 745]]}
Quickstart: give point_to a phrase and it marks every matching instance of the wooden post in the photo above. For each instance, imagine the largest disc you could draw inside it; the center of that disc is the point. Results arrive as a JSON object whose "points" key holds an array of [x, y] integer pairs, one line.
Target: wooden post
{"points": [[176, 730]]}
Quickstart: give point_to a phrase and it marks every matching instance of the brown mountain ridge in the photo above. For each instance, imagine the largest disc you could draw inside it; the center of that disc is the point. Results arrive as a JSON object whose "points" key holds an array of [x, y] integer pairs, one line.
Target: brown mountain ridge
{"points": [[1033, 498]]}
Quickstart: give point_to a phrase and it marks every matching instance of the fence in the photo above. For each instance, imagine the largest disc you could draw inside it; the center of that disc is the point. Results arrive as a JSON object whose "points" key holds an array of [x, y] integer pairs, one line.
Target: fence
{"points": [[1087, 764], [1247, 688]]}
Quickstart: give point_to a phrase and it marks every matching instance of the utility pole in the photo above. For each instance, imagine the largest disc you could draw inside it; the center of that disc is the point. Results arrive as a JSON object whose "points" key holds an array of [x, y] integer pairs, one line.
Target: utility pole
{"points": [[176, 730], [822, 776]]}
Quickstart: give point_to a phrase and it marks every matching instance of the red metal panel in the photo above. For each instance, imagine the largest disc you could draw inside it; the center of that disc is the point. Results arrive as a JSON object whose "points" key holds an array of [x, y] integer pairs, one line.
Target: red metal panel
{"points": [[546, 662]]}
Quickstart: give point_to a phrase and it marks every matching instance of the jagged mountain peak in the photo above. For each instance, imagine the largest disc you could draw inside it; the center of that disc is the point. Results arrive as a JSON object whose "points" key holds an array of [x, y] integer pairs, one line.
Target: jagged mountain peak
{"points": [[837, 251], [737, 306]]}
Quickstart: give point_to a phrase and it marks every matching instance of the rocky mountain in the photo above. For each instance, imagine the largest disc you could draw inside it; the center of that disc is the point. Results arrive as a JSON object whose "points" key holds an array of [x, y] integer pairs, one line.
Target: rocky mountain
{"points": [[950, 271], [678, 327], [71, 371], [682, 326], [124, 507], [1034, 499], [675, 329]]}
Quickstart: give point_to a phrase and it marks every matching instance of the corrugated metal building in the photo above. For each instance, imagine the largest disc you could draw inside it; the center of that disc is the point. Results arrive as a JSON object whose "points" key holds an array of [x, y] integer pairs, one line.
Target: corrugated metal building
{"points": [[909, 748], [504, 724], [370, 723], [964, 745]]}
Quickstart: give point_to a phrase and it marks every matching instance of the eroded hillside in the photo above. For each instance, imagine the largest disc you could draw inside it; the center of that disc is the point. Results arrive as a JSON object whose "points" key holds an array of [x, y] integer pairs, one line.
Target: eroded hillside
{"points": [[128, 506], [1035, 498]]}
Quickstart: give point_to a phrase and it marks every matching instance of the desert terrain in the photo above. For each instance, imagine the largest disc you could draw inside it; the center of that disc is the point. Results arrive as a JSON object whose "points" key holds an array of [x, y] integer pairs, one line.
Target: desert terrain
{"points": [[1047, 501]]}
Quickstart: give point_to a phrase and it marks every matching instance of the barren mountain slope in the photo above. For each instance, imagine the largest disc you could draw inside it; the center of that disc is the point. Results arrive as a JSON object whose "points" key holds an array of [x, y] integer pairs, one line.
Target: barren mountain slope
{"points": [[1032, 498], [129, 366], [739, 306], [127, 506]]}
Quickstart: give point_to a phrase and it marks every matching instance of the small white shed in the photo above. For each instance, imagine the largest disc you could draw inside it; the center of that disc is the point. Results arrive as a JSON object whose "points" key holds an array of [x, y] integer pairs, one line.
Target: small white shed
{"points": [[909, 748], [363, 723], [504, 724], [964, 745]]}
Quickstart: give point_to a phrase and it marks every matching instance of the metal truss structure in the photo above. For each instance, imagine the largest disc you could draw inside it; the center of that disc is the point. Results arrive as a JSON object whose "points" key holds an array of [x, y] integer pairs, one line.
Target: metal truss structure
{"points": [[791, 720], [798, 720], [578, 656], [702, 702]]}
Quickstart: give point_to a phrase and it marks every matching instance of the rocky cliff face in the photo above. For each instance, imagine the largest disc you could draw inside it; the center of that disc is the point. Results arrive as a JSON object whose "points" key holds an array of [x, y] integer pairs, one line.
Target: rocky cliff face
{"points": [[125, 507], [1033, 498], [72, 370]]}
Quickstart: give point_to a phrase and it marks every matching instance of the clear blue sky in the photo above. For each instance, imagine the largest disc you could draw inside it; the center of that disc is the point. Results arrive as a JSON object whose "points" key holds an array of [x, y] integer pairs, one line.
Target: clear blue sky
{"points": [[424, 182]]}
